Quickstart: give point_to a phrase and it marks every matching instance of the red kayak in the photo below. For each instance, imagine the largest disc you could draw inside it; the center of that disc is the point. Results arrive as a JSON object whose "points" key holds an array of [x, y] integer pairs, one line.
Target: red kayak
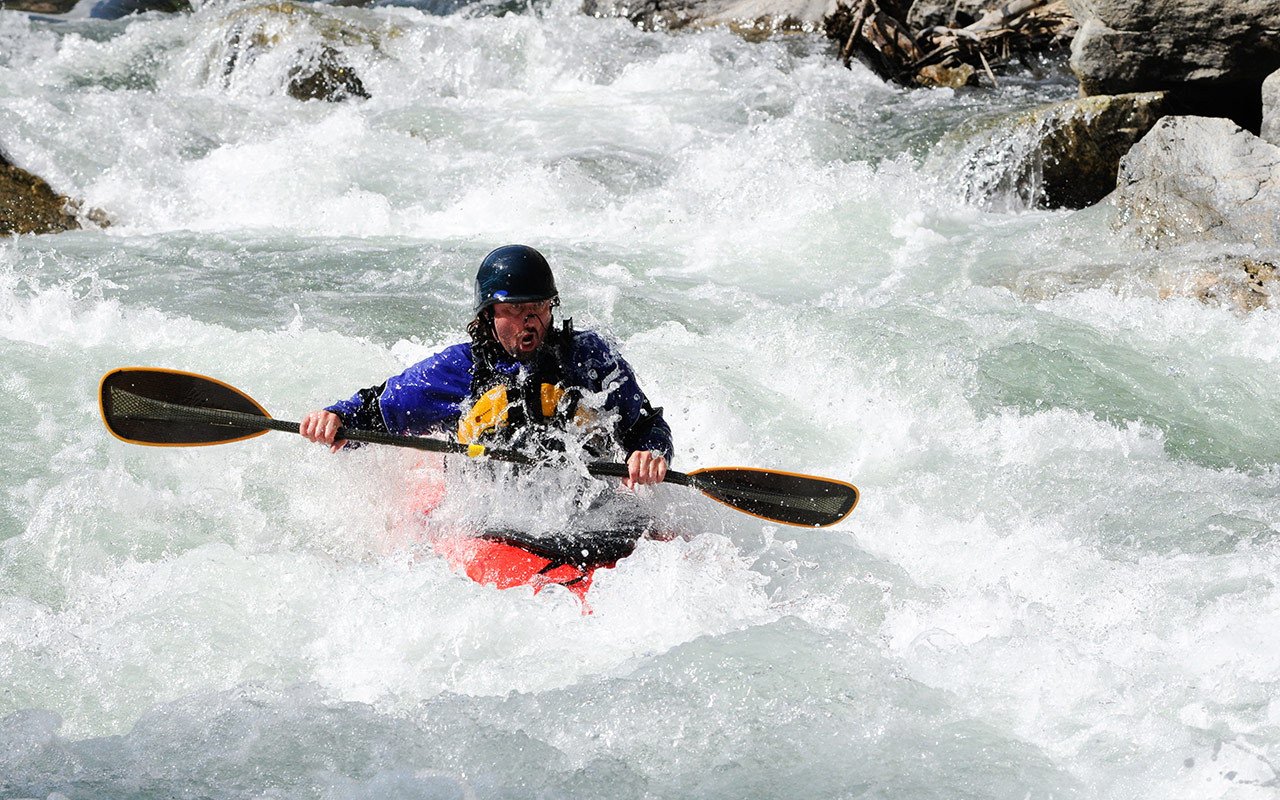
{"points": [[506, 559]]}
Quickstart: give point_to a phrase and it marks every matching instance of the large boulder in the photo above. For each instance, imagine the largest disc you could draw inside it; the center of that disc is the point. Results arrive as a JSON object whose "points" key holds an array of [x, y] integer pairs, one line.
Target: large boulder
{"points": [[1216, 51], [1064, 155], [304, 42], [1200, 179]]}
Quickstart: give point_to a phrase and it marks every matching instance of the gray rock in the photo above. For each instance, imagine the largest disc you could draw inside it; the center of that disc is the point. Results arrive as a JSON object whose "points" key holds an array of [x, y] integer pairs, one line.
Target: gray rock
{"points": [[1271, 108], [1200, 179], [1126, 46], [1064, 155]]}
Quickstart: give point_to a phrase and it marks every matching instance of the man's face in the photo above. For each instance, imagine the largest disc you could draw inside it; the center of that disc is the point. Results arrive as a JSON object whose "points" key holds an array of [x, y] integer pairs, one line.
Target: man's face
{"points": [[521, 327]]}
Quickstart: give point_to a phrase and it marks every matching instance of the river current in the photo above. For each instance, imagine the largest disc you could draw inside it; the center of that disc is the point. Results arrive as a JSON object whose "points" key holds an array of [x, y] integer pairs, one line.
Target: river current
{"points": [[1060, 581]]}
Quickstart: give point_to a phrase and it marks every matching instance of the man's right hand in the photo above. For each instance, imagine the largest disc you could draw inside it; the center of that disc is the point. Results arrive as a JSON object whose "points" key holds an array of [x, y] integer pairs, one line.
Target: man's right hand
{"points": [[321, 426]]}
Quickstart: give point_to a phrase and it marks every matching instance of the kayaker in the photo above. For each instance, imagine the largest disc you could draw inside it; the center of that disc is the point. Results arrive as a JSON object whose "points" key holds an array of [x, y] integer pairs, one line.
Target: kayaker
{"points": [[521, 382]]}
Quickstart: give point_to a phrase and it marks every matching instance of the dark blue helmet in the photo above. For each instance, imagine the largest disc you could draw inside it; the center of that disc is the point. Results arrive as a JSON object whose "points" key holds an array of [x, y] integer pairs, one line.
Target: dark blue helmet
{"points": [[515, 273]]}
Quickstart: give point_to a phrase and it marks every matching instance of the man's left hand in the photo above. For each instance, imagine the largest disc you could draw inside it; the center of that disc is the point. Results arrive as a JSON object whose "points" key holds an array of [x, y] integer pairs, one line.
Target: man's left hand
{"points": [[644, 467]]}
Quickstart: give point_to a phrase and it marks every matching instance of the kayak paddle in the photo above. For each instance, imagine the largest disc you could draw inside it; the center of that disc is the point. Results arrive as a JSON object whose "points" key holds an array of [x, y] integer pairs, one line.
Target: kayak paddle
{"points": [[168, 408]]}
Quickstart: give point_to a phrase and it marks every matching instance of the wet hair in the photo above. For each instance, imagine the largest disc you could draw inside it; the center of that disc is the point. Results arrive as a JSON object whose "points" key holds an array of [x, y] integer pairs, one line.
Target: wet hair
{"points": [[485, 346]]}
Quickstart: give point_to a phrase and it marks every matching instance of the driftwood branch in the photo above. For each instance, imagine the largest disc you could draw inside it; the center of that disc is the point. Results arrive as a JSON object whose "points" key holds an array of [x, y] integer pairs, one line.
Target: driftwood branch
{"points": [[858, 19], [1003, 16], [948, 55]]}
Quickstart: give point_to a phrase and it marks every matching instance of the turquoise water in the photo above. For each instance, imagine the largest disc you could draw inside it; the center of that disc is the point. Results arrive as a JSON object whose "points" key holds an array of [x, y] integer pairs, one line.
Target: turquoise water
{"points": [[1059, 582]]}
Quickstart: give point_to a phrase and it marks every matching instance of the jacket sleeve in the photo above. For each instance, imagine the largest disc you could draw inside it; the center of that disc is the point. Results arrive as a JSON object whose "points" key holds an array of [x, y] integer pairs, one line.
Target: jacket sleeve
{"points": [[425, 398], [649, 432], [363, 411], [640, 425]]}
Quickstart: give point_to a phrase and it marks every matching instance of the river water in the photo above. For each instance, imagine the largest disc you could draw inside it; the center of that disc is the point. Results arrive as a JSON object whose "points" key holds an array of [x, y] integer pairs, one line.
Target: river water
{"points": [[1060, 580]]}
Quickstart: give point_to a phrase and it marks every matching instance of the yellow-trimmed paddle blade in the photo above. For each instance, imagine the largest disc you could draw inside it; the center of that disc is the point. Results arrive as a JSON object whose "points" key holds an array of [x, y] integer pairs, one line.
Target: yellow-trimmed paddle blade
{"points": [[786, 497], [169, 408]]}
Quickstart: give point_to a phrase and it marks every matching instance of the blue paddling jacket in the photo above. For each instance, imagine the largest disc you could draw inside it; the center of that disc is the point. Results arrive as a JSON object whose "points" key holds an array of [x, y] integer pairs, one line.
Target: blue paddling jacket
{"points": [[496, 400]]}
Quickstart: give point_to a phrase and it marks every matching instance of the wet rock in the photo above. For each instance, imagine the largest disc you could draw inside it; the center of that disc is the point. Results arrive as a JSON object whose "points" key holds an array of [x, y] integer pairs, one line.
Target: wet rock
{"points": [[1242, 284], [102, 9], [1226, 280], [307, 41], [1084, 140], [324, 75], [39, 6], [942, 75], [1270, 130], [1200, 179], [645, 14], [1064, 155], [29, 205], [1216, 52]]}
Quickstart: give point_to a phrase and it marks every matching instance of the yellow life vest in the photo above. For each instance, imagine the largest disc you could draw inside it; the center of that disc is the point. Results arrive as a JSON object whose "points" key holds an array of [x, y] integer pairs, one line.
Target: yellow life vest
{"points": [[491, 412]]}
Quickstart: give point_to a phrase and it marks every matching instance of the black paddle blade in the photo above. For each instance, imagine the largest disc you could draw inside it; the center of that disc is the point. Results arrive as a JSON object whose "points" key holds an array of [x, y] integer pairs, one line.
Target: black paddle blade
{"points": [[784, 497], [163, 407]]}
